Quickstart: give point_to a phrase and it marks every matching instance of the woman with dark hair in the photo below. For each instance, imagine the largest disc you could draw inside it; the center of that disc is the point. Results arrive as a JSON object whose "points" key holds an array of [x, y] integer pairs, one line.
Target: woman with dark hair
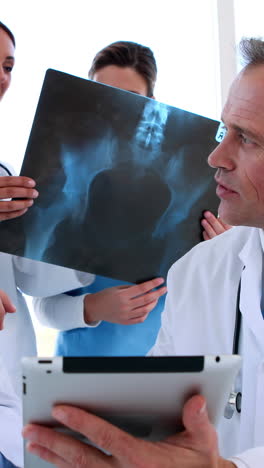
{"points": [[126, 58], [17, 337], [11, 187], [9, 402], [7, 58]]}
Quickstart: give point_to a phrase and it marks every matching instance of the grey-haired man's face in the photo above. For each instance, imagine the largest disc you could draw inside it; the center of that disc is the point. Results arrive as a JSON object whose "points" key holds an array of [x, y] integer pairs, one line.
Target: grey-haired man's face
{"points": [[239, 158]]}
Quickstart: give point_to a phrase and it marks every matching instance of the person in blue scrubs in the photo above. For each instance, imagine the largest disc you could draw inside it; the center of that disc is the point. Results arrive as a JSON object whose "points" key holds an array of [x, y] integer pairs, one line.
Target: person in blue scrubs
{"points": [[110, 306], [110, 338], [131, 67]]}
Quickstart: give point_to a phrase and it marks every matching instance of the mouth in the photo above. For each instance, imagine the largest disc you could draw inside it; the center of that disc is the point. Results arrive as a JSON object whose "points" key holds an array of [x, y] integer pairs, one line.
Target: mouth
{"points": [[223, 191]]}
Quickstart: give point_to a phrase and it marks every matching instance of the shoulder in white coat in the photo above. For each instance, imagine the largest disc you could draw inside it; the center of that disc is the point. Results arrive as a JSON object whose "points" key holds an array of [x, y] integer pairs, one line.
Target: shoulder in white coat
{"points": [[202, 289]]}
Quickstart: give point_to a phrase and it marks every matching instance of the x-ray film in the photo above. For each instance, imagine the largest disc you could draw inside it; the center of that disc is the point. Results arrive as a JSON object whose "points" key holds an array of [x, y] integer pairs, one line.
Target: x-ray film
{"points": [[123, 181]]}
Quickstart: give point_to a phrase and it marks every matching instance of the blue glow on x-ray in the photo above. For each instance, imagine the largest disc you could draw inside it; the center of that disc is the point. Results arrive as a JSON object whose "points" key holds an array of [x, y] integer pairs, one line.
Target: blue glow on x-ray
{"points": [[80, 168], [182, 197], [149, 136], [149, 133], [79, 175], [81, 164]]}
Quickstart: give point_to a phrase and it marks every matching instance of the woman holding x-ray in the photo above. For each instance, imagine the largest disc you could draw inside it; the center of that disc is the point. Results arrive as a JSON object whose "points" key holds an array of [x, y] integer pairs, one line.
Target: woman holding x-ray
{"points": [[17, 337]]}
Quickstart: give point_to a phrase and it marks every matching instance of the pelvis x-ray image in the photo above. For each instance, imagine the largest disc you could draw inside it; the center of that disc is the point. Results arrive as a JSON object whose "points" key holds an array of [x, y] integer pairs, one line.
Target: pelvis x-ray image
{"points": [[123, 181]]}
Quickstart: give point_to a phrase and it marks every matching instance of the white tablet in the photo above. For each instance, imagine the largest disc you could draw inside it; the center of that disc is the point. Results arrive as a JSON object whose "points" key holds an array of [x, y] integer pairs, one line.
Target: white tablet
{"points": [[142, 395]]}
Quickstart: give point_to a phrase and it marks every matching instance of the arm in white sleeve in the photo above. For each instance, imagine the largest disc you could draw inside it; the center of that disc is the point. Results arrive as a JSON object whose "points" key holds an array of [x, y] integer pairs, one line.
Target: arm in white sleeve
{"points": [[253, 458], [62, 312], [44, 279]]}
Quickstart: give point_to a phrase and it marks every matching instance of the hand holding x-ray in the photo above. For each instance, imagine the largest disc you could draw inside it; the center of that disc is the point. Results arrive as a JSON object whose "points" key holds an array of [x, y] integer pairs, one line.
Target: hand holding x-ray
{"points": [[213, 226], [126, 305], [16, 195]]}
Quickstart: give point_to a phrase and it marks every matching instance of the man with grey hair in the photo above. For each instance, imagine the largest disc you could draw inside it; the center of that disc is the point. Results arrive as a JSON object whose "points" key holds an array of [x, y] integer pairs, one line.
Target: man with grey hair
{"points": [[200, 313]]}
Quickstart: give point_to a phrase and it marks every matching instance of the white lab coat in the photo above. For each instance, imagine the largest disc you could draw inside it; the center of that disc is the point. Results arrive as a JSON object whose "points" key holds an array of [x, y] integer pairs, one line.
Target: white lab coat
{"points": [[199, 318], [11, 444], [33, 278], [18, 338]]}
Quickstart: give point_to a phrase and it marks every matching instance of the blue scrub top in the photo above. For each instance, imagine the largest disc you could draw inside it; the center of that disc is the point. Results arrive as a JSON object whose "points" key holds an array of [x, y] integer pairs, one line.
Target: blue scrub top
{"points": [[4, 463], [110, 339]]}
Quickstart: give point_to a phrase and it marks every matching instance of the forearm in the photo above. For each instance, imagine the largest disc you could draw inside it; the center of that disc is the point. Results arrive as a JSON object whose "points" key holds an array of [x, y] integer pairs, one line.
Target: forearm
{"points": [[43, 279], [61, 312]]}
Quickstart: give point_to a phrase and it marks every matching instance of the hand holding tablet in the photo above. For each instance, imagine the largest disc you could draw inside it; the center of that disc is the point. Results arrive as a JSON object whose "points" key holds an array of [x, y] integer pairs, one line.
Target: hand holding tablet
{"points": [[143, 396], [196, 446]]}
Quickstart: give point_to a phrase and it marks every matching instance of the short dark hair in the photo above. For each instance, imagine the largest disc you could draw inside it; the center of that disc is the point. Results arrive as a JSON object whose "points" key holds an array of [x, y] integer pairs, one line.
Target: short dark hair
{"points": [[251, 51], [8, 32], [128, 54]]}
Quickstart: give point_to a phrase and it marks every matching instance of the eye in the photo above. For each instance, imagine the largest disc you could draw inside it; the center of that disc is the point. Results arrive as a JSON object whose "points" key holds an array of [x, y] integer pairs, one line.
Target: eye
{"points": [[246, 140], [8, 68]]}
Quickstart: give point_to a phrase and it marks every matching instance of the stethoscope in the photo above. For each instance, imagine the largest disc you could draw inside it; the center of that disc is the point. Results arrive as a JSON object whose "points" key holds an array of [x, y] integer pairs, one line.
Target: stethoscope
{"points": [[235, 398], [4, 171]]}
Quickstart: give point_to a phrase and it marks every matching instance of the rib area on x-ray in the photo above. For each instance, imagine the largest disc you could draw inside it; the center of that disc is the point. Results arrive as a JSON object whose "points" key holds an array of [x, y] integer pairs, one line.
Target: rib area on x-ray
{"points": [[123, 181]]}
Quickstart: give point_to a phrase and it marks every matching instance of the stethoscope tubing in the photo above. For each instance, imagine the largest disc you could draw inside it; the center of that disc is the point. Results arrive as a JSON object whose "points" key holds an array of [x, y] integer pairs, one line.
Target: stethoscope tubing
{"points": [[5, 169], [235, 399]]}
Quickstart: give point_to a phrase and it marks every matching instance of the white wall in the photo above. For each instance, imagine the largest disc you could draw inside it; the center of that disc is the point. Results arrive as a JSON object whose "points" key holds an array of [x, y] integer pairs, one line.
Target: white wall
{"points": [[65, 35], [249, 15]]}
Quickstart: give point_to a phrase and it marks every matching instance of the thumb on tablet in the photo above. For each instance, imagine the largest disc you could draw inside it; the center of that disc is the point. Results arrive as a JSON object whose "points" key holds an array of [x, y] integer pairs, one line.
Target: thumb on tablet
{"points": [[198, 427]]}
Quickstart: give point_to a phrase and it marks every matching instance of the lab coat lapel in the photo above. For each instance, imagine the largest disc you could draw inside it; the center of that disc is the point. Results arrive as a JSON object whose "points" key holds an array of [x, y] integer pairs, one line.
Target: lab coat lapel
{"points": [[251, 287]]}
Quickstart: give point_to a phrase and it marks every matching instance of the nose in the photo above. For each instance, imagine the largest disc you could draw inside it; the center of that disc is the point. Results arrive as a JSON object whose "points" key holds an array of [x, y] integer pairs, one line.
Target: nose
{"points": [[223, 156], [2, 75]]}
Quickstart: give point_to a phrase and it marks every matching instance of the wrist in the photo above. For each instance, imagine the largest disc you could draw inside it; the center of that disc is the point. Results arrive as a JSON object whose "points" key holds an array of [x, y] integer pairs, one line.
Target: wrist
{"points": [[88, 309]]}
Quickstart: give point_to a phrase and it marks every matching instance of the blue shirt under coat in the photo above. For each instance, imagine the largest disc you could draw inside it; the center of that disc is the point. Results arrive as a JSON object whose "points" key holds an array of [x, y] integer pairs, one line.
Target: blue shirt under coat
{"points": [[110, 339], [4, 463]]}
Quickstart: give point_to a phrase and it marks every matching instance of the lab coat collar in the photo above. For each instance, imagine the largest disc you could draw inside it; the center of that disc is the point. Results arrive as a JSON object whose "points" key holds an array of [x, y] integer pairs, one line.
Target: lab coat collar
{"points": [[251, 285], [261, 234]]}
